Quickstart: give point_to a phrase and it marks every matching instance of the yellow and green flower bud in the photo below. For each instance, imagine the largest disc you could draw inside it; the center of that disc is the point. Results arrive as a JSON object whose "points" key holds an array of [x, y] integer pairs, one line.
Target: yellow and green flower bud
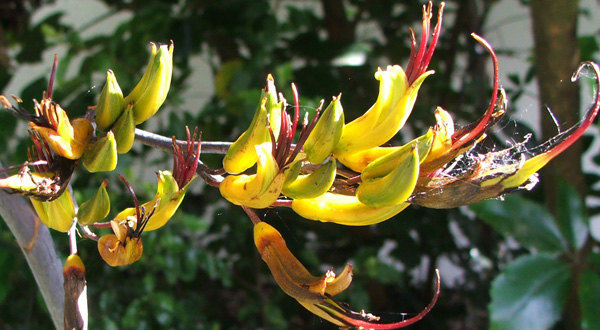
{"points": [[151, 92], [110, 103], [96, 208], [311, 185], [101, 156], [124, 130], [57, 214], [327, 132]]}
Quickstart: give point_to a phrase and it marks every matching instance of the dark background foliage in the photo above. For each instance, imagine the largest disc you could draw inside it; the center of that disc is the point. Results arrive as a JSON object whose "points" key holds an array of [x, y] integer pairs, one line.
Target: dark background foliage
{"points": [[202, 270]]}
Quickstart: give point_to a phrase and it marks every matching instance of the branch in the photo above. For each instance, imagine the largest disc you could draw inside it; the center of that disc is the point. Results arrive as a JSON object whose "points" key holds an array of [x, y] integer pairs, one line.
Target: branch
{"points": [[166, 144], [36, 243]]}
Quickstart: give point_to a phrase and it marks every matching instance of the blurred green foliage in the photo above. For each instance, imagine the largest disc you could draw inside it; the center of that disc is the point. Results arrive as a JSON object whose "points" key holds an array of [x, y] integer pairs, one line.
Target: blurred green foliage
{"points": [[538, 283], [202, 271]]}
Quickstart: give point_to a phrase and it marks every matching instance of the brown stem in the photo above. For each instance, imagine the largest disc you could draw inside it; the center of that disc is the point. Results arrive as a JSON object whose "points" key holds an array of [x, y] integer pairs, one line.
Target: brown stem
{"points": [[250, 212], [283, 203]]}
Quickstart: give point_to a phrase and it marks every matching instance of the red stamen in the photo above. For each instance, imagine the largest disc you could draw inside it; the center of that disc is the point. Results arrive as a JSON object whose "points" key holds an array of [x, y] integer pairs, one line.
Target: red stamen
{"points": [[40, 154], [413, 52], [467, 133], [419, 59], [288, 142], [273, 142], [52, 76], [396, 325], [193, 165], [434, 40], [424, 36], [135, 200], [304, 134], [283, 140], [176, 160], [184, 166], [589, 117]]}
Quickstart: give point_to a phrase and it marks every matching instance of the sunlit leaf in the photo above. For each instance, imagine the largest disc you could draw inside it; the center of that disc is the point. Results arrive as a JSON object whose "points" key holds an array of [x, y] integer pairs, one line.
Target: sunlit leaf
{"points": [[529, 293]]}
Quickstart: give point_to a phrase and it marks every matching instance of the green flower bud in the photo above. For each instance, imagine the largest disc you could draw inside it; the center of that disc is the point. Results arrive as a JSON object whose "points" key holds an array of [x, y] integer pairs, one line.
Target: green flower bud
{"points": [[124, 130], [96, 208], [151, 92], [110, 103], [57, 214], [101, 156]]}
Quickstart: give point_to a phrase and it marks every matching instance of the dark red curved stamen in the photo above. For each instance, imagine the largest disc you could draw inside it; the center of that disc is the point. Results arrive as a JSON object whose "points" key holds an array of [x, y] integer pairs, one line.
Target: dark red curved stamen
{"points": [[285, 138], [52, 76], [184, 166], [192, 157], [145, 219], [357, 319], [273, 142], [587, 121], [138, 213], [306, 129], [176, 160], [468, 133], [419, 59], [40, 154], [413, 51], [283, 151], [434, 39], [424, 36], [18, 111]]}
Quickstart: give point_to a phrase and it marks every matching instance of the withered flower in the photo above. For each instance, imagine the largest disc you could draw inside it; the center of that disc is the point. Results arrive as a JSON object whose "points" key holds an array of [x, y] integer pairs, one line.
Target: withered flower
{"points": [[316, 293], [124, 246], [50, 176]]}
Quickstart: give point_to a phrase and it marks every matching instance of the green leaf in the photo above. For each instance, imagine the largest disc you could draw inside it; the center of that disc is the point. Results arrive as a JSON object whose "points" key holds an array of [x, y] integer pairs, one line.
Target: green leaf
{"points": [[529, 223], [588, 46], [529, 293], [571, 215], [590, 300]]}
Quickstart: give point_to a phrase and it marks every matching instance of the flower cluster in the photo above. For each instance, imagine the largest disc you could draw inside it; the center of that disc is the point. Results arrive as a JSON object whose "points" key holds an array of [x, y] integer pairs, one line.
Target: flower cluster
{"points": [[334, 171], [341, 172], [61, 144]]}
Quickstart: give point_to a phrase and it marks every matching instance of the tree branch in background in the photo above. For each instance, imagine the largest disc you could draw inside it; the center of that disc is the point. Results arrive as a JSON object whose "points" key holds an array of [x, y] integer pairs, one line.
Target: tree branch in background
{"points": [[556, 56]]}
